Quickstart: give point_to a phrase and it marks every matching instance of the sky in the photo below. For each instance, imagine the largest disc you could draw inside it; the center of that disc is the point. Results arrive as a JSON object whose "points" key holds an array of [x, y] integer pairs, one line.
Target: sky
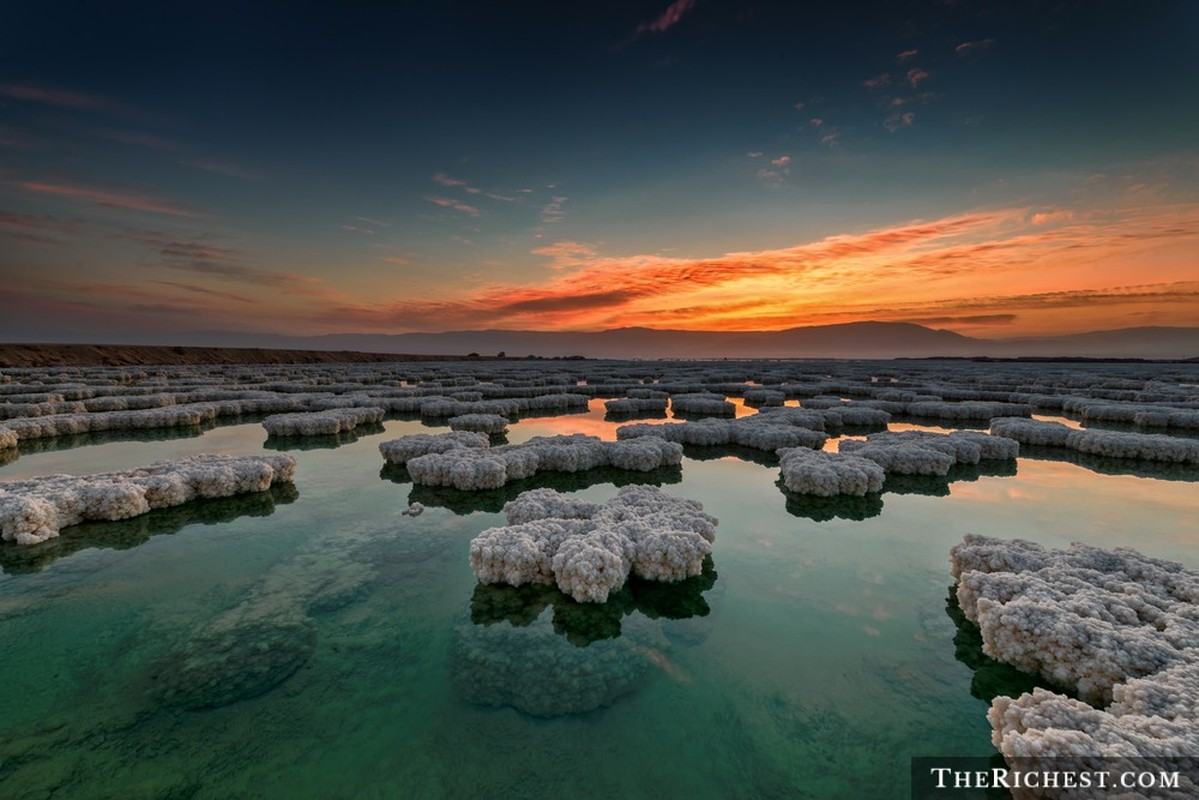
{"points": [[998, 169]]}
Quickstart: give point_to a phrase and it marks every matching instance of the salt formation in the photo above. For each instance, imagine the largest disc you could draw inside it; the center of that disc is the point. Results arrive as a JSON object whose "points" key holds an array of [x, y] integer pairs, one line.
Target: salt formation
{"points": [[968, 410], [405, 448], [1117, 627], [32, 511], [8, 438], [480, 423], [702, 403], [477, 466], [590, 550], [318, 423], [828, 474], [760, 431], [926, 453], [636, 405], [1111, 444]]}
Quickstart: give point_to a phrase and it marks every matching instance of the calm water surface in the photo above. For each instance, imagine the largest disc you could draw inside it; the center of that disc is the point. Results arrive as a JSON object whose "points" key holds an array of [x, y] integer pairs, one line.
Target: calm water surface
{"points": [[323, 644]]}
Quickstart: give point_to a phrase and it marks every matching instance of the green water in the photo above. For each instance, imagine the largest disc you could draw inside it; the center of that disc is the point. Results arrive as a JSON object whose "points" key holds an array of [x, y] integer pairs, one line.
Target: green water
{"points": [[819, 654]]}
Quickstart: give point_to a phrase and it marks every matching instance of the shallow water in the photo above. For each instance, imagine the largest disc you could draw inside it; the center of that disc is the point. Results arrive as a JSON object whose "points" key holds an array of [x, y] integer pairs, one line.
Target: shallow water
{"points": [[814, 659]]}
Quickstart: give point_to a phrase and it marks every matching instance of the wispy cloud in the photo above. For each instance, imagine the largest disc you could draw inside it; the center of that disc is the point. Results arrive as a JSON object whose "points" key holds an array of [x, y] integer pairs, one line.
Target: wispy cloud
{"points": [[554, 210], [916, 75], [878, 81], [111, 198], [456, 205], [897, 121], [906, 55], [397, 260], [445, 180], [357, 229], [223, 167], [204, 290], [60, 98], [1049, 217], [139, 139], [969, 48], [667, 19]]}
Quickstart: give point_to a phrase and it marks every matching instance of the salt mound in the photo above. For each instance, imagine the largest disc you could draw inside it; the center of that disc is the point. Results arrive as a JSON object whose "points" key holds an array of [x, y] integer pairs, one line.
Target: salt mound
{"points": [[589, 550], [1115, 626], [402, 450], [479, 423], [927, 453], [828, 474], [32, 511], [477, 467], [1110, 444], [321, 423]]}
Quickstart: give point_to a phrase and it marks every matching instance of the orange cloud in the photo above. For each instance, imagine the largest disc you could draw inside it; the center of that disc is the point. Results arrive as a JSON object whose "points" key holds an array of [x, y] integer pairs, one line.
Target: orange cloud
{"points": [[1002, 268]]}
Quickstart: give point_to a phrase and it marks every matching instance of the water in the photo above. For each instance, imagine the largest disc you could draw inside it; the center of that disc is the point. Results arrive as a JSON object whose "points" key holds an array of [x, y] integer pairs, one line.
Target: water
{"points": [[815, 657]]}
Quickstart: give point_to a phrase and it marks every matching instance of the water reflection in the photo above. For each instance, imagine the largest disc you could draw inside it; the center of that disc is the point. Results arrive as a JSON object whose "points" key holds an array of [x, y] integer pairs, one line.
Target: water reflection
{"points": [[585, 623], [825, 509], [493, 500], [124, 534], [1162, 470]]}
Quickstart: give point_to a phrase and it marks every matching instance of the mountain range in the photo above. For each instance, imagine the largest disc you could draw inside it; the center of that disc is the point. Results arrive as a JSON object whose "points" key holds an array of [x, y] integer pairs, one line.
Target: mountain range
{"points": [[850, 340]]}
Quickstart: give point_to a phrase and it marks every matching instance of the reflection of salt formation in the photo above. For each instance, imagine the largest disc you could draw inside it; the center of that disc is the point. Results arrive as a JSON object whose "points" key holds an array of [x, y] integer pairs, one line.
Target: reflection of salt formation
{"points": [[480, 467], [479, 423], [321, 423], [823, 509], [126, 533], [926, 453], [1118, 627], [1160, 470], [1110, 444], [589, 550], [768, 431], [536, 671], [584, 623], [32, 511], [321, 442], [828, 474]]}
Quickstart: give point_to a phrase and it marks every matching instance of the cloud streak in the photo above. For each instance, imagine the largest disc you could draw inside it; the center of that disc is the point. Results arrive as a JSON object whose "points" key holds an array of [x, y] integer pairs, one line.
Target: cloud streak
{"points": [[111, 199], [673, 14]]}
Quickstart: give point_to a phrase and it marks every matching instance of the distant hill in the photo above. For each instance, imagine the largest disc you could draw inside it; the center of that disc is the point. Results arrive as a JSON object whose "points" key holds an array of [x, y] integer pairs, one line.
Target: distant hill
{"points": [[851, 340]]}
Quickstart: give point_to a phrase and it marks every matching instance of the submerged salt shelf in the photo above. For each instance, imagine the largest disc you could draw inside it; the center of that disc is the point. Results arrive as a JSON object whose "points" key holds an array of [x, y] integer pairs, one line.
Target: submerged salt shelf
{"points": [[358, 633]]}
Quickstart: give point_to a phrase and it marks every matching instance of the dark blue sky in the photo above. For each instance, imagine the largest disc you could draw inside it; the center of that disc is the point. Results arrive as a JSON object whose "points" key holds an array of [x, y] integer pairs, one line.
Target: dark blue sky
{"points": [[378, 166]]}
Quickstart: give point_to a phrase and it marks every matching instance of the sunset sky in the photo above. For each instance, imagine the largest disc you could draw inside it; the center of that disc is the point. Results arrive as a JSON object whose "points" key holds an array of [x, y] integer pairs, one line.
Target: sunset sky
{"points": [[996, 169]]}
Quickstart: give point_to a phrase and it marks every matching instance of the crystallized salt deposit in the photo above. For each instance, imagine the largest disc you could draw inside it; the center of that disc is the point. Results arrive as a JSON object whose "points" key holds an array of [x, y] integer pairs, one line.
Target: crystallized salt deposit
{"points": [[927, 453], [1111, 444], [703, 404], [636, 405], [405, 448], [589, 550], [8, 438], [480, 467], [1117, 627], [480, 423], [828, 474], [768, 431], [32, 511], [317, 423]]}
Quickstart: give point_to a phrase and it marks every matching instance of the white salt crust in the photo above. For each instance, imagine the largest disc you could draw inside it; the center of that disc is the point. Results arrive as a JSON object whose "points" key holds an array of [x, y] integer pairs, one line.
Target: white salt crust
{"points": [[32, 511], [588, 550]]}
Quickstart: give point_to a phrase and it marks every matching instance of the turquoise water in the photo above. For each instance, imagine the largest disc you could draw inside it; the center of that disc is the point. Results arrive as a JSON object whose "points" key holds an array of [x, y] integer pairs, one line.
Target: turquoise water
{"points": [[320, 643]]}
